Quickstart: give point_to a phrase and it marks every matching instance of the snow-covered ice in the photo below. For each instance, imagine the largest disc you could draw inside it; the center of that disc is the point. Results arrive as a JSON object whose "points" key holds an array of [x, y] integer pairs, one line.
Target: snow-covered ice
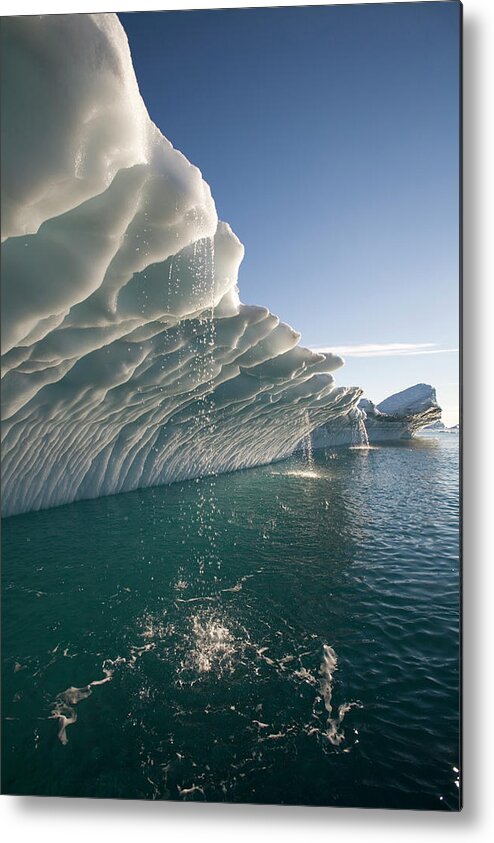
{"points": [[128, 358]]}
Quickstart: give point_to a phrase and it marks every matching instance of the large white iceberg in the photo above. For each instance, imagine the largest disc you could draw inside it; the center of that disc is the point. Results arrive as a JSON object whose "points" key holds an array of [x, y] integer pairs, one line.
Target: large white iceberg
{"points": [[128, 358]]}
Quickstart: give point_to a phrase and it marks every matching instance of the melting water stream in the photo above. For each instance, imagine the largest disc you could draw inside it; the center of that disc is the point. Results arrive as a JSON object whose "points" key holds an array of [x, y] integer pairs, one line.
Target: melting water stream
{"points": [[307, 443], [360, 437], [363, 433]]}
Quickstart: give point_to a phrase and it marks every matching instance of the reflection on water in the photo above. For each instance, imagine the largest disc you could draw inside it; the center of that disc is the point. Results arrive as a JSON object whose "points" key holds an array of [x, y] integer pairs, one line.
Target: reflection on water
{"points": [[308, 473], [283, 634]]}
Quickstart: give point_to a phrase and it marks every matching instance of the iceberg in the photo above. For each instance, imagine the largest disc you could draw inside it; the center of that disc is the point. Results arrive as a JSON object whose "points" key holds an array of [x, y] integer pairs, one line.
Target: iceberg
{"points": [[438, 426], [400, 416], [128, 358]]}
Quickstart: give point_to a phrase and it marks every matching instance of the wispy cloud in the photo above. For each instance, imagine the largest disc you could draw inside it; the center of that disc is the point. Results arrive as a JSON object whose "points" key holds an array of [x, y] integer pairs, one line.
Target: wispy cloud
{"points": [[388, 349]]}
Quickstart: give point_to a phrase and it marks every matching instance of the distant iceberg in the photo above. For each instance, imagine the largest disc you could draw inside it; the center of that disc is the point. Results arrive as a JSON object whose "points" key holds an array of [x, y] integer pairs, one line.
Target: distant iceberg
{"points": [[401, 416], [440, 427], [437, 426], [128, 359]]}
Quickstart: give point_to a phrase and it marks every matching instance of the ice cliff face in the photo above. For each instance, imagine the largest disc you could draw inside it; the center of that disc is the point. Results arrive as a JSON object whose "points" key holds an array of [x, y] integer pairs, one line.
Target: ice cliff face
{"points": [[128, 359]]}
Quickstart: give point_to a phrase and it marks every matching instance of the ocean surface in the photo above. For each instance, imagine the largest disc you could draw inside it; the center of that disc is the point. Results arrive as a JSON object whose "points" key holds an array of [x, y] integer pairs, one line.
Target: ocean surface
{"points": [[286, 634]]}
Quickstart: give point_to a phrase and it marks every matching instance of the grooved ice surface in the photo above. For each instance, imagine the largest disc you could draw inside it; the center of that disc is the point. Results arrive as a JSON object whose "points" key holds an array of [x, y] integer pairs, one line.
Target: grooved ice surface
{"points": [[128, 359]]}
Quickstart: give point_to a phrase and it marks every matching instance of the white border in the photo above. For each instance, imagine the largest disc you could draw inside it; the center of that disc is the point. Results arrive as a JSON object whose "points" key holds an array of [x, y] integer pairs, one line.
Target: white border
{"points": [[79, 820], [30, 7]]}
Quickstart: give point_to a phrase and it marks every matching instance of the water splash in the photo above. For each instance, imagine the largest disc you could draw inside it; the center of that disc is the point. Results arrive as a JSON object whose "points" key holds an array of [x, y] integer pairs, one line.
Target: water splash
{"points": [[213, 646]]}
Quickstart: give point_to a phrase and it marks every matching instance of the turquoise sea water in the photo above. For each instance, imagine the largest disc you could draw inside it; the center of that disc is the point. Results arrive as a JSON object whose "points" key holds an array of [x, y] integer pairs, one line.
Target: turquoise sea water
{"points": [[285, 634]]}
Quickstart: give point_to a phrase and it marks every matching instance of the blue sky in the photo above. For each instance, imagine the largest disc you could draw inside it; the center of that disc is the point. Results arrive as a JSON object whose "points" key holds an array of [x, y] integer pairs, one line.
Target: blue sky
{"points": [[329, 136]]}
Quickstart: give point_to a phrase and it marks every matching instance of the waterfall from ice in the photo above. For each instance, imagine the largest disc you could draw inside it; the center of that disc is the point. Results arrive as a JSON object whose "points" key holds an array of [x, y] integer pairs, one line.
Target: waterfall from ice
{"points": [[307, 443], [364, 439], [360, 438], [204, 514]]}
